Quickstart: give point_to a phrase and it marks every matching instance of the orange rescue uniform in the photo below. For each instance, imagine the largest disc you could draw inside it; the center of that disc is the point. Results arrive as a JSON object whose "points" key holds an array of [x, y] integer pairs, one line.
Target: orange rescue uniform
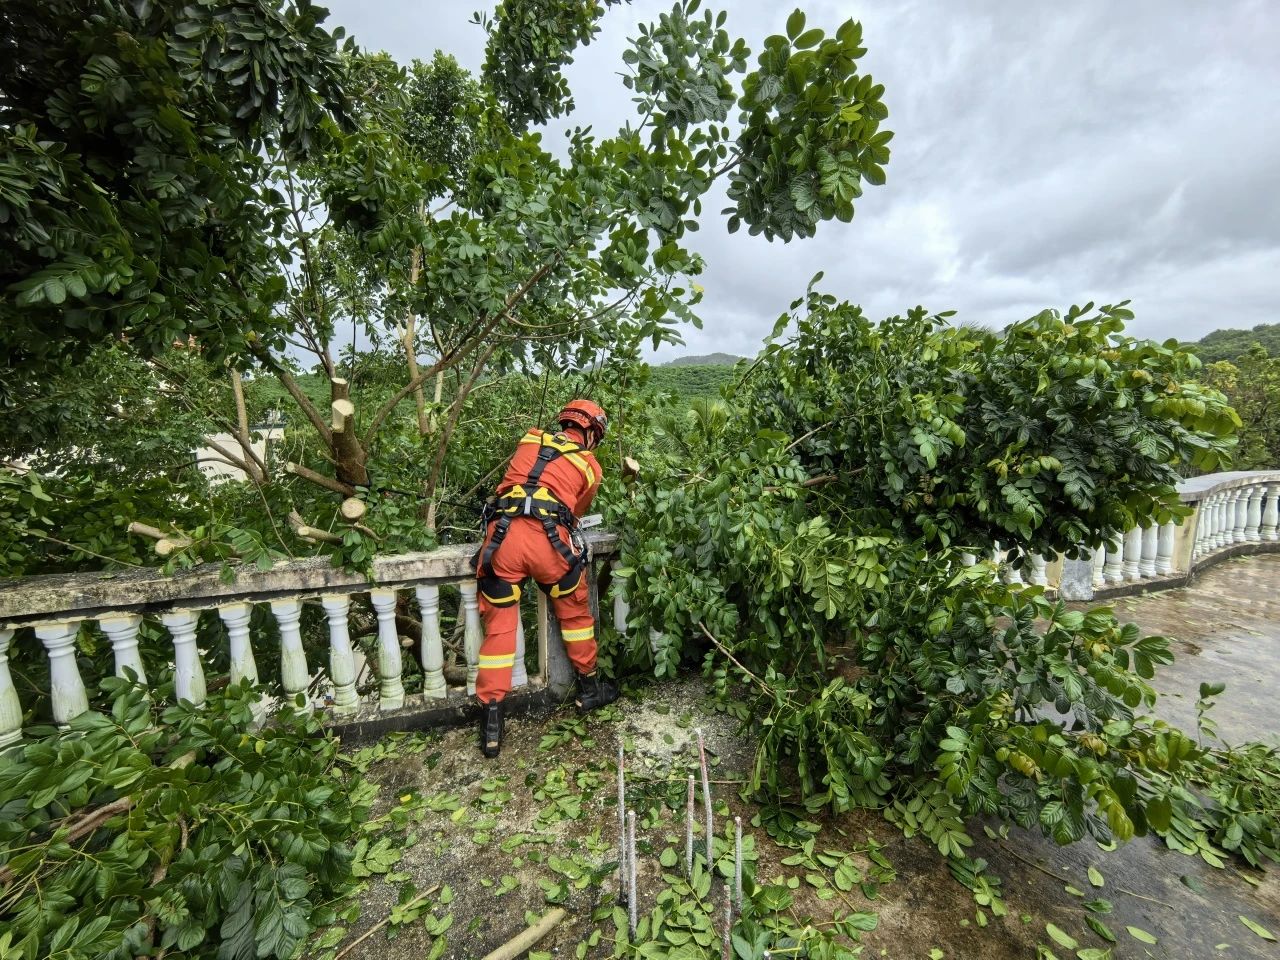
{"points": [[573, 478]]}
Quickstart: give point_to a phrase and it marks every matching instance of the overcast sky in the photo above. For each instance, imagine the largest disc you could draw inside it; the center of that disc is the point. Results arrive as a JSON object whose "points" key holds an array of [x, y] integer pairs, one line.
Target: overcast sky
{"points": [[1045, 154]]}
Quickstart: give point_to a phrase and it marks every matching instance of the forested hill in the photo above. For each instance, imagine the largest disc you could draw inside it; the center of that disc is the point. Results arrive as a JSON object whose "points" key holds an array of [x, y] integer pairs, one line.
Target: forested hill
{"points": [[690, 377], [1229, 344], [706, 360]]}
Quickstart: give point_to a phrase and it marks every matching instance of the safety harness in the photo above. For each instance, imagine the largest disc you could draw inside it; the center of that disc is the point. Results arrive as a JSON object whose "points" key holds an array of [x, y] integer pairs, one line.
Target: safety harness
{"points": [[531, 499]]}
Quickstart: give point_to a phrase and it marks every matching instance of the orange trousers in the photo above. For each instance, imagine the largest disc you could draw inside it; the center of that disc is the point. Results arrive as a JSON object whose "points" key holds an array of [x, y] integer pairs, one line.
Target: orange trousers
{"points": [[526, 552]]}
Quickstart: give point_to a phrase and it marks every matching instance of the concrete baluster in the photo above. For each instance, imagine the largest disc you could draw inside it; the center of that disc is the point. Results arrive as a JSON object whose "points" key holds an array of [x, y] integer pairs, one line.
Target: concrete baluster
{"points": [[390, 666], [236, 617], [294, 676], [1113, 568], [122, 630], [1099, 558], [1271, 513], [1147, 562], [968, 560], [519, 673], [188, 674], [1253, 514], [473, 632], [1164, 549], [342, 659], [1219, 521], [433, 685], [1038, 570], [65, 686], [1202, 520], [1132, 553], [1010, 574], [1241, 514], [621, 609], [10, 706]]}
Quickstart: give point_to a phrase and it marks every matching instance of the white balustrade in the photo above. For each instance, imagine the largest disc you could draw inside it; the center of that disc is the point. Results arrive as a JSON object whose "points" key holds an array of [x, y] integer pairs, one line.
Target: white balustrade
{"points": [[1099, 558], [1133, 553], [968, 559], [1150, 546], [1038, 572], [1113, 568], [294, 676], [10, 706], [1271, 513], [519, 673], [342, 659], [122, 630], [472, 633], [433, 685], [1164, 548], [1008, 572], [67, 693], [1253, 514], [1241, 507], [188, 674], [621, 609], [390, 666], [236, 618]]}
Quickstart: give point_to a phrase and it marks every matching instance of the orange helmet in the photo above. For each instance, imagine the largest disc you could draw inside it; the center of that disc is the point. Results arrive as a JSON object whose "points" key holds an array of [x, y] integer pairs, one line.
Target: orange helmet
{"points": [[587, 415]]}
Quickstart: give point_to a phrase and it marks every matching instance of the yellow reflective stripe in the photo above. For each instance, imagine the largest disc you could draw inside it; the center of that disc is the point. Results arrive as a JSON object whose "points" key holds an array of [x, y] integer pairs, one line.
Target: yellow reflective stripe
{"points": [[512, 597], [533, 436], [581, 463], [564, 446], [575, 636], [502, 660]]}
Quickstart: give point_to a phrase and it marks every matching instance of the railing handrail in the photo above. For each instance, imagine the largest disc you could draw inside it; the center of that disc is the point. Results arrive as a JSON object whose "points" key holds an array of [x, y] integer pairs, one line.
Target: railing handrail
{"points": [[30, 600], [1197, 488]]}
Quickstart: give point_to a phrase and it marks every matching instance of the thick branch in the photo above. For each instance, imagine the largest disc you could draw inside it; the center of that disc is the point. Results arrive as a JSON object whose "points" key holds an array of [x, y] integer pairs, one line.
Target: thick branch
{"points": [[259, 473], [320, 480], [349, 454], [86, 823], [478, 330], [315, 534], [410, 345], [455, 412], [291, 385]]}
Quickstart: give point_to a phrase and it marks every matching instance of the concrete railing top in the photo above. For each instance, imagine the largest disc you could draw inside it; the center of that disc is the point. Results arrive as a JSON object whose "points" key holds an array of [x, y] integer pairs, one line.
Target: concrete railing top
{"points": [[84, 595], [1197, 488]]}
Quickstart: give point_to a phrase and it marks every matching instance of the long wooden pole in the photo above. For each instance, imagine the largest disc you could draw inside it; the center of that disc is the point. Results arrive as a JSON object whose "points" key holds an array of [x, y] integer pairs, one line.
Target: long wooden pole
{"points": [[520, 945]]}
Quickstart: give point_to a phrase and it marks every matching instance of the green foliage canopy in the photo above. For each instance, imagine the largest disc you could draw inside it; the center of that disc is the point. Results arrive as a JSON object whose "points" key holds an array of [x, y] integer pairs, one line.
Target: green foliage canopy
{"points": [[134, 199], [815, 537]]}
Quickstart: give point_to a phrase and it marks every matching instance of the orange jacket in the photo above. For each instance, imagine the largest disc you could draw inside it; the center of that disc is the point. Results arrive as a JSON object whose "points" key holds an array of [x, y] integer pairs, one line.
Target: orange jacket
{"points": [[573, 478]]}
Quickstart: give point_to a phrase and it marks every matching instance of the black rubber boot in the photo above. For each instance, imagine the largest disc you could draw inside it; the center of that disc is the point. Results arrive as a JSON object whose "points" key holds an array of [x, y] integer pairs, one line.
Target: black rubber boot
{"points": [[594, 692], [491, 728]]}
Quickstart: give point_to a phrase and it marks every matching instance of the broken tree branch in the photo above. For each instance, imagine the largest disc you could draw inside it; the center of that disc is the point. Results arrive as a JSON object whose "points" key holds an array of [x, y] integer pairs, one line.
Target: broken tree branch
{"points": [[299, 527], [320, 480]]}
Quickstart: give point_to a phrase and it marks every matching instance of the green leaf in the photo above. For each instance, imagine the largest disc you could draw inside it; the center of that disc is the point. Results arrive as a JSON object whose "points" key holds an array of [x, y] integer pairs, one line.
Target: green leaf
{"points": [[1061, 937], [1100, 928], [1257, 928], [1095, 877], [1139, 934], [795, 24]]}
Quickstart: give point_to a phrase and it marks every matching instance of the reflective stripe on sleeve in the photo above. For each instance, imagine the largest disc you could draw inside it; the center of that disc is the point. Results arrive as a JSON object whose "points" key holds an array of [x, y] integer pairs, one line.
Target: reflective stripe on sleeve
{"points": [[576, 636]]}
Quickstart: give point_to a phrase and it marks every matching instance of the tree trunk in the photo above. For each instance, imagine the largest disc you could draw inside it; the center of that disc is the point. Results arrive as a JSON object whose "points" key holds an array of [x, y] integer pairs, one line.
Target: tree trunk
{"points": [[348, 454]]}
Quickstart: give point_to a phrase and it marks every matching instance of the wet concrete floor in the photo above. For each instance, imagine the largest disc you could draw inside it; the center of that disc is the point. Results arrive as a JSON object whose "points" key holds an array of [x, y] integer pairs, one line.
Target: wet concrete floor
{"points": [[1225, 628]]}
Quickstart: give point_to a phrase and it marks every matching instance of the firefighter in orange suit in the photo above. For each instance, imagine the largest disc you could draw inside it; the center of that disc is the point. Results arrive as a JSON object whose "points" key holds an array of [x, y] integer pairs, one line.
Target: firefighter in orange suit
{"points": [[531, 531]]}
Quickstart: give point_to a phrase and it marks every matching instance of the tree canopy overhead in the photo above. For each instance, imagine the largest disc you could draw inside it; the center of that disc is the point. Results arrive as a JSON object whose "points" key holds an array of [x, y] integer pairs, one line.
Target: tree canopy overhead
{"points": [[134, 196]]}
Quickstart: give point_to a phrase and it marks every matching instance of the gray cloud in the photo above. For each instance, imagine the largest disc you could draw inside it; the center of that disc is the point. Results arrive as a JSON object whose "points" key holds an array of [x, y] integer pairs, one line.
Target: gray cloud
{"points": [[1044, 155]]}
